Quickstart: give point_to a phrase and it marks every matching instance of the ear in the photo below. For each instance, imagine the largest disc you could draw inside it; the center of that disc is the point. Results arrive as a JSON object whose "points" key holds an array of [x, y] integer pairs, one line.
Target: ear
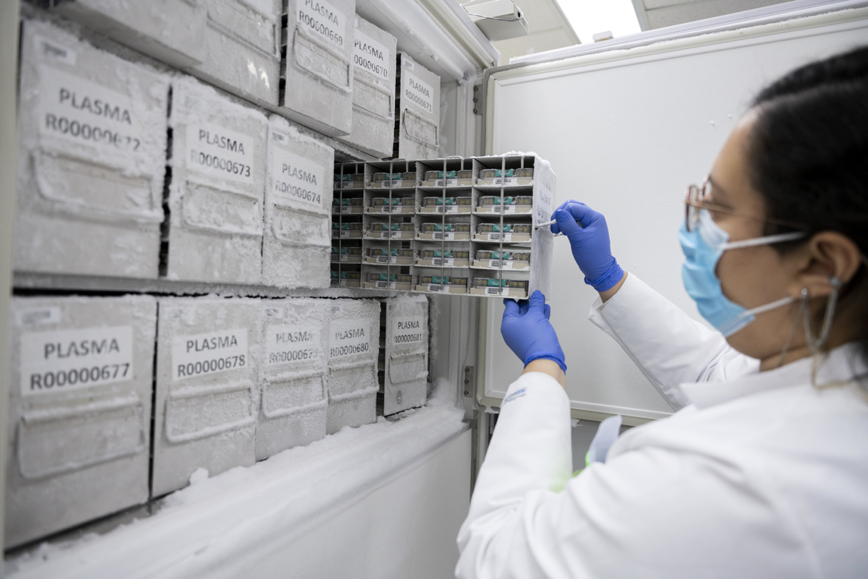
{"points": [[827, 254]]}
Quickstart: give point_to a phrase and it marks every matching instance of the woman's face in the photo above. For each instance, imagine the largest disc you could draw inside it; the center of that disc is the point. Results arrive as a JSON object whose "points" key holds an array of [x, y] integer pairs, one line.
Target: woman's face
{"points": [[751, 276]]}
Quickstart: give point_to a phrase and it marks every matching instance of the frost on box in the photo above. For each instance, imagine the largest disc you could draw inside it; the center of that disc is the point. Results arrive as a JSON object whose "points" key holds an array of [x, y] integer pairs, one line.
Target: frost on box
{"points": [[298, 198], [353, 342], [241, 52], [79, 411], [206, 389], [92, 130], [374, 57], [405, 383], [215, 197], [294, 390], [317, 85]]}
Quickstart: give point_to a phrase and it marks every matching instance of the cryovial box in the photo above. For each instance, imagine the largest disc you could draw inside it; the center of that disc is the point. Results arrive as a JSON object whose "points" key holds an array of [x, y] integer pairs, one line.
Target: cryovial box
{"points": [[317, 82], [171, 31], [418, 111], [374, 59], [298, 198], [92, 130], [218, 164], [294, 387], [207, 388], [79, 411], [241, 49], [405, 384], [353, 342]]}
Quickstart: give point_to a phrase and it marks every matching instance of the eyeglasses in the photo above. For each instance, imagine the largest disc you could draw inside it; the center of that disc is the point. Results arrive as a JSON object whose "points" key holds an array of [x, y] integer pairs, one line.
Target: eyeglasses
{"points": [[695, 200]]}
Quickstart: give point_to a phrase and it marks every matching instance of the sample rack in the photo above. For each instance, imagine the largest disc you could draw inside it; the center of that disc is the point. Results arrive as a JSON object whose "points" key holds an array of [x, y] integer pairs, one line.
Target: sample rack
{"points": [[460, 226]]}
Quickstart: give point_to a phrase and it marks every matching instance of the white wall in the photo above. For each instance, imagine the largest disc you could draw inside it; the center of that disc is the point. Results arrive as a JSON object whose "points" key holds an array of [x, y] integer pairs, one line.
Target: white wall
{"points": [[626, 132]]}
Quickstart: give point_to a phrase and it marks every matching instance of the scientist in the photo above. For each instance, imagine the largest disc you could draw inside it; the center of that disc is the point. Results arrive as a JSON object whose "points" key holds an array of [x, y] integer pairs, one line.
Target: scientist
{"points": [[764, 470]]}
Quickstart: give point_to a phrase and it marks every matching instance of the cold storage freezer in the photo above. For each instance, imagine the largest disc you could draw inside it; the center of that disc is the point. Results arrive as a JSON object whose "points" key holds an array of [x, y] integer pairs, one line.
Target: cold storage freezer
{"points": [[417, 128], [405, 372], [218, 164], [79, 411], [294, 376], [353, 341], [298, 198], [207, 388], [317, 76], [92, 135], [374, 59]]}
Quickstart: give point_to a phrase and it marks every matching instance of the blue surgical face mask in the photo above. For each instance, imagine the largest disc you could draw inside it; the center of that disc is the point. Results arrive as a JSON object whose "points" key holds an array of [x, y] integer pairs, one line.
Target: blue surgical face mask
{"points": [[702, 249]]}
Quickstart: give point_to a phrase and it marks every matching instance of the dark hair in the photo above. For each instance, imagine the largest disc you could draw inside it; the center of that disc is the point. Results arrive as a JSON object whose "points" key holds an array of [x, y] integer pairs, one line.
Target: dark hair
{"points": [[808, 158]]}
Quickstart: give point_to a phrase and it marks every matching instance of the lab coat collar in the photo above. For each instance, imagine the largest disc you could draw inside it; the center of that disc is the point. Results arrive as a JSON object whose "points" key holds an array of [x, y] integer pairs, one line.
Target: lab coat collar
{"points": [[839, 365]]}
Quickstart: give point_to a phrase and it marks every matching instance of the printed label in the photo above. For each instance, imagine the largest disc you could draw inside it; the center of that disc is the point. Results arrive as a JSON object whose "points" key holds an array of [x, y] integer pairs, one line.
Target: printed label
{"points": [[371, 55], [396, 234], [408, 329], [63, 360], [443, 261], [220, 152], [297, 179], [345, 234], [419, 93], [37, 316], [496, 291], [287, 344], [321, 18], [510, 181], [48, 49], [349, 337], [432, 287], [446, 209], [210, 353], [383, 259], [409, 64], [81, 111]]}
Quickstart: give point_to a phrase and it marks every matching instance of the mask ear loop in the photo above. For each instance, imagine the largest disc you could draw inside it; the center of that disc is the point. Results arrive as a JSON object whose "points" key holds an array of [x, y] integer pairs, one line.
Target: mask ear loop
{"points": [[814, 345], [803, 305]]}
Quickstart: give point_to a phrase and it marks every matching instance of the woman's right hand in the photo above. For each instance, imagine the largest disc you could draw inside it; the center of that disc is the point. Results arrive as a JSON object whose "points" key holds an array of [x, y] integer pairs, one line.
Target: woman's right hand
{"points": [[589, 240]]}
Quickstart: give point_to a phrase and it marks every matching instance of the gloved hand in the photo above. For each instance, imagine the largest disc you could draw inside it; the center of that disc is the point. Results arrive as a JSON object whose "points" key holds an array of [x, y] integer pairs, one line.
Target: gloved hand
{"points": [[528, 333], [590, 244]]}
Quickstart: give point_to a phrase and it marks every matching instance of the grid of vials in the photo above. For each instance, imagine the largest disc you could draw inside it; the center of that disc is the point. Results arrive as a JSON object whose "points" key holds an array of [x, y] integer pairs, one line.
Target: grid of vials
{"points": [[454, 225]]}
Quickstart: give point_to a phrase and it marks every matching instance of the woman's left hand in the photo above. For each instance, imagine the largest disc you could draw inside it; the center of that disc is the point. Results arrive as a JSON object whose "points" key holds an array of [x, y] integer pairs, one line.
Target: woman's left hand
{"points": [[527, 331]]}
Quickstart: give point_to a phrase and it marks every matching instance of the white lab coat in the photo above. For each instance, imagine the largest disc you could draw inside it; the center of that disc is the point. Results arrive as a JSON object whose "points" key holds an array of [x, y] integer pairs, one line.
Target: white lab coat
{"points": [[760, 475]]}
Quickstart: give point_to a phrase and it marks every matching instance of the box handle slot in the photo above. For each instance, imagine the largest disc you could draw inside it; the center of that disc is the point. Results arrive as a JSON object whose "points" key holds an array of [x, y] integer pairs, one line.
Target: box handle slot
{"points": [[58, 176], [321, 61], [293, 410], [223, 212], [53, 441], [373, 99], [403, 367], [193, 413], [367, 365], [282, 234], [419, 129]]}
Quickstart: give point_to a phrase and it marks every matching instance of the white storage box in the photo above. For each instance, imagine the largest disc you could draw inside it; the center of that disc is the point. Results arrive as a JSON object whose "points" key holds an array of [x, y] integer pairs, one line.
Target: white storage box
{"points": [[79, 411], [215, 196], [206, 389], [171, 31], [298, 197], [354, 341], [317, 76], [418, 111], [92, 130], [406, 378], [241, 48], [374, 59], [294, 387]]}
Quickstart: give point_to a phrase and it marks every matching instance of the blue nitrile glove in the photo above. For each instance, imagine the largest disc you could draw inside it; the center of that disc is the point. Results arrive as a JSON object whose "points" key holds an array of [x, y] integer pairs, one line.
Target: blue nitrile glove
{"points": [[590, 244], [528, 333]]}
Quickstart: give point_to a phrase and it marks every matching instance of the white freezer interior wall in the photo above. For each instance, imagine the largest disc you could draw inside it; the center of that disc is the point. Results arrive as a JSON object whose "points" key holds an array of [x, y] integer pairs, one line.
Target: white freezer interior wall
{"points": [[626, 132]]}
